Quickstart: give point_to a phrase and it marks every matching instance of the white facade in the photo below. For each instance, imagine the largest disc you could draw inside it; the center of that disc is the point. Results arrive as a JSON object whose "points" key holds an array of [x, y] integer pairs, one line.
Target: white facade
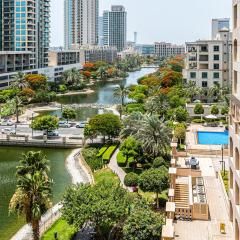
{"points": [[209, 62], [80, 22], [163, 49], [234, 127]]}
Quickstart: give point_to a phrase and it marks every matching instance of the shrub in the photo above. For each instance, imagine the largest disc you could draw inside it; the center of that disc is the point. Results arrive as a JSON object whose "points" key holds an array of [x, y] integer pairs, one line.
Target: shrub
{"points": [[198, 121], [121, 160], [131, 180], [108, 154], [214, 110], [224, 110], [90, 156], [159, 162], [135, 107], [101, 151], [181, 114], [198, 109], [62, 88]]}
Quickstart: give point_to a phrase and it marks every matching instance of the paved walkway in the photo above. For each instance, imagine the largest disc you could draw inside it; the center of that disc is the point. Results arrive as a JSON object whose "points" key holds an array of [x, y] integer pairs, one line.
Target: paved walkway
{"points": [[117, 170]]}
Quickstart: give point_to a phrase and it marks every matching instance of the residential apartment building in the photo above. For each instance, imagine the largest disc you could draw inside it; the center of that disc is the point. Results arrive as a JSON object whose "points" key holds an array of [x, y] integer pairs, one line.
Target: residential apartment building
{"points": [[163, 49], [115, 27], [63, 57], [219, 24], [98, 53], [80, 22], [25, 27], [234, 127], [100, 31], [145, 49], [209, 62]]}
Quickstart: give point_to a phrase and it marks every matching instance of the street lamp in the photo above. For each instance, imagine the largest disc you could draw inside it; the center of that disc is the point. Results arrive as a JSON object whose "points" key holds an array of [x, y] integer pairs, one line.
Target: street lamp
{"points": [[223, 162], [31, 123]]}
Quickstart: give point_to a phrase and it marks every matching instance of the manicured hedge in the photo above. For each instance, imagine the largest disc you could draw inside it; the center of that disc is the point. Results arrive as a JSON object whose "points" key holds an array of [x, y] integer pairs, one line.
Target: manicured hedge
{"points": [[108, 154], [102, 151], [121, 160]]}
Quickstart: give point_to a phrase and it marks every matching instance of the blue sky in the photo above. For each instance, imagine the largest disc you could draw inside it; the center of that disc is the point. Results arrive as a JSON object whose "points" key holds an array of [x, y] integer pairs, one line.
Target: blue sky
{"points": [[174, 21]]}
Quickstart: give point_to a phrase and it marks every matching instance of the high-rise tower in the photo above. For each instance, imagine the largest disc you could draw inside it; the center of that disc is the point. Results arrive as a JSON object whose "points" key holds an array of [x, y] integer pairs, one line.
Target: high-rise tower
{"points": [[80, 22], [25, 27], [115, 27]]}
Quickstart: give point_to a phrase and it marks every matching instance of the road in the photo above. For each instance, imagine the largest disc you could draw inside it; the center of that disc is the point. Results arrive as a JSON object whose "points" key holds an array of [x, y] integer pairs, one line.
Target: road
{"points": [[63, 132]]}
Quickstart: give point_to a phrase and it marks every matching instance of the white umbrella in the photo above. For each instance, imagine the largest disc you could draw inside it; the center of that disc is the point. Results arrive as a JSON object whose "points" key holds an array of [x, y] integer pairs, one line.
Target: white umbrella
{"points": [[211, 116]]}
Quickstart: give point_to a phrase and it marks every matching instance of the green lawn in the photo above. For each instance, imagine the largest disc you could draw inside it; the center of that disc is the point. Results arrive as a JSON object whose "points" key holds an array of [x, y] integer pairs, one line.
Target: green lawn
{"points": [[107, 175], [65, 232]]}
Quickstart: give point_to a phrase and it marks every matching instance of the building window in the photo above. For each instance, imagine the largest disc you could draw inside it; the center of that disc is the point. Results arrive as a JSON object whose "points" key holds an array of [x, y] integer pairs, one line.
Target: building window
{"points": [[216, 57], [193, 75], [204, 84], [216, 48], [215, 66], [235, 16], [216, 75], [204, 75]]}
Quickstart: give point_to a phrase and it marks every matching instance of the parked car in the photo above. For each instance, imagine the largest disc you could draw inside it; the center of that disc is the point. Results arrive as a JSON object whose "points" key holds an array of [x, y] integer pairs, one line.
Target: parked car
{"points": [[64, 124], [81, 125], [8, 131], [7, 123], [51, 133]]}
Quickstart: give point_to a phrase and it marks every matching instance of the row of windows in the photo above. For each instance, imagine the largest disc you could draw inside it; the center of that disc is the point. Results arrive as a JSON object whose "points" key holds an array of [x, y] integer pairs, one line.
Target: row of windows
{"points": [[216, 75]]}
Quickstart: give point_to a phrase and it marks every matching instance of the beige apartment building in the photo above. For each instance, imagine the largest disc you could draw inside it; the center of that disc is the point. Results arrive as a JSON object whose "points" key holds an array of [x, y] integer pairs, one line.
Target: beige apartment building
{"points": [[209, 62], [234, 128]]}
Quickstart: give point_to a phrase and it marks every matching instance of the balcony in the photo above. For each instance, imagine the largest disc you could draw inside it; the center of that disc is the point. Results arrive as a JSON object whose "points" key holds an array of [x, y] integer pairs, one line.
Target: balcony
{"points": [[203, 58]]}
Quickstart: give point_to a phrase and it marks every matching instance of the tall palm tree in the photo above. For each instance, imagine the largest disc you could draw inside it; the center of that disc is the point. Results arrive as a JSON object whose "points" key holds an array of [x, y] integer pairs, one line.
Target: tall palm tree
{"points": [[33, 191], [19, 81], [151, 131], [18, 104], [154, 135], [121, 92]]}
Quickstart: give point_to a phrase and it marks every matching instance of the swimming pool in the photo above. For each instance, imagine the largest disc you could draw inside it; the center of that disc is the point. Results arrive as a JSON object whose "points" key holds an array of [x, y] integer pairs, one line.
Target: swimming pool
{"points": [[213, 138]]}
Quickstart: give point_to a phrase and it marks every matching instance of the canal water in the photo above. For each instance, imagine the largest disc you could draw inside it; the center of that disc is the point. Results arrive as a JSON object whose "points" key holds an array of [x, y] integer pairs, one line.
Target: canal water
{"points": [[9, 157], [104, 94]]}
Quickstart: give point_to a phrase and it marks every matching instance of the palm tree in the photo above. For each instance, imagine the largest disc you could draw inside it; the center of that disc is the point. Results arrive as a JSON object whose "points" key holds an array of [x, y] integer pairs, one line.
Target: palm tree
{"points": [[71, 77], [19, 81], [102, 72], [33, 191], [121, 92], [151, 131], [154, 135], [18, 104], [192, 90]]}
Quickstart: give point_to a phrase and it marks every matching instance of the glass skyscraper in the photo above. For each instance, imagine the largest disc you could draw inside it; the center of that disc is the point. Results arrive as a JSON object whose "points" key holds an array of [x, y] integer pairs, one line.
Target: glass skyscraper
{"points": [[25, 27], [115, 27]]}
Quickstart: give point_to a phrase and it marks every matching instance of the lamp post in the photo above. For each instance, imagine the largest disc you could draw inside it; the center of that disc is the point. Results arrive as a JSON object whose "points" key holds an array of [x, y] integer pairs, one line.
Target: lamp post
{"points": [[31, 123], [223, 162]]}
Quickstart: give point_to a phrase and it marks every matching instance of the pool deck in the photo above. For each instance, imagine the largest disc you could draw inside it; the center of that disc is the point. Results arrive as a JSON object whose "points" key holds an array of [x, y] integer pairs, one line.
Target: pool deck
{"points": [[191, 137]]}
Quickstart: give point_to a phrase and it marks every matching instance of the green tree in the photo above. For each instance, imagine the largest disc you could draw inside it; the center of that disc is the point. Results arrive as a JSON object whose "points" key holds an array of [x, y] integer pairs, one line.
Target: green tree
{"points": [[214, 110], [17, 105], [130, 148], [160, 162], [180, 132], [104, 205], [191, 90], [225, 111], [71, 77], [102, 72], [154, 180], [143, 224], [121, 92], [19, 81], [106, 125], [33, 190], [131, 180], [181, 114], [198, 109], [45, 123], [69, 113]]}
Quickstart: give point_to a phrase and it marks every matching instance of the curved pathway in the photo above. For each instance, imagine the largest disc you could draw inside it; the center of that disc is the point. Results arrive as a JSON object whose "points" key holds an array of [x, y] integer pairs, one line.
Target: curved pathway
{"points": [[117, 170], [79, 175]]}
